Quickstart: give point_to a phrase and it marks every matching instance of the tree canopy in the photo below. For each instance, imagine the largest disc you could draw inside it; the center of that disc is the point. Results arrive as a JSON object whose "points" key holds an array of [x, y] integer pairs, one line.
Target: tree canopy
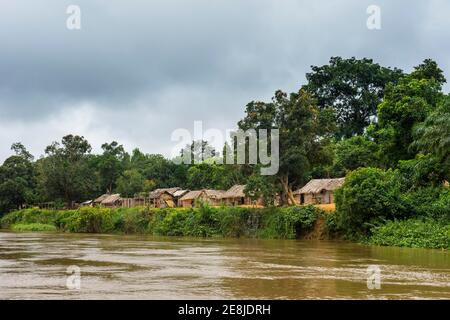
{"points": [[303, 132], [17, 179], [353, 88], [66, 173]]}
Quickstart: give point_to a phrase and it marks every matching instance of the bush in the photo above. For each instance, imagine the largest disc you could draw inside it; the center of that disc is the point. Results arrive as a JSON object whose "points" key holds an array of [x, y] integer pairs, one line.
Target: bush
{"points": [[201, 222], [28, 216], [332, 224], [432, 202], [289, 223], [173, 223], [237, 223], [412, 233], [33, 227], [133, 220], [369, 197], [423, 171], [440, 209], [353, 153], [86, 219]]}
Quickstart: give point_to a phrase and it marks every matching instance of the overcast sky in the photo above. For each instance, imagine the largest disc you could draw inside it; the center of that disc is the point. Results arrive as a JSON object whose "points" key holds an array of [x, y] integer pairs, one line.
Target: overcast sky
{"points": [[138, 70]]}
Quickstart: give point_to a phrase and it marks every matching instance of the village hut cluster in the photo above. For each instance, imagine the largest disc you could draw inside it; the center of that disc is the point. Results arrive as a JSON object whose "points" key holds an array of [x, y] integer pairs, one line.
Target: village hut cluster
{"points": [[177, 197], [316, 191]]}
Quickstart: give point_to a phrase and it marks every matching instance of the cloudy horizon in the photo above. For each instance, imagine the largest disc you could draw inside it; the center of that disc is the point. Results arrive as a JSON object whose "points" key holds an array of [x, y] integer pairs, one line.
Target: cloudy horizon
{"points": [[138, 70]]}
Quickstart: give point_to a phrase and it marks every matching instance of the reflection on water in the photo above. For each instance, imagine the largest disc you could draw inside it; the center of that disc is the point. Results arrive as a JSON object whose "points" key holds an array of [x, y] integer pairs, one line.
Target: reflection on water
{"points": [[33, 266]]}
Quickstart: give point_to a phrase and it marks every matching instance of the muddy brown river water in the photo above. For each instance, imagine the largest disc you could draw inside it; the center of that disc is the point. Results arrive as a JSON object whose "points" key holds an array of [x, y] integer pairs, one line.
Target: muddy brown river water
{"points": [[34, 266]]}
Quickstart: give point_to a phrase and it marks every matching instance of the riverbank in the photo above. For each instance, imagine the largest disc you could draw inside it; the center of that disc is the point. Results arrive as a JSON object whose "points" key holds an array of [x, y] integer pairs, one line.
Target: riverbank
{"points": [[305, 222], [412, 233], [269, 223]]}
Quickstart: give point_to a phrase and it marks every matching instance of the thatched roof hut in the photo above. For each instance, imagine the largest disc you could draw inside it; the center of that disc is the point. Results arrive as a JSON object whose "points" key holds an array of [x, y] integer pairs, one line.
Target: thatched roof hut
{"points": [[163, 197], [179, 193], [191, 195], [236, 191], [318, 191], [112, 200], [213, 197], [214, 194], [108, 200], [317, 185], [236, 196], [158, 192], [101, 198]]}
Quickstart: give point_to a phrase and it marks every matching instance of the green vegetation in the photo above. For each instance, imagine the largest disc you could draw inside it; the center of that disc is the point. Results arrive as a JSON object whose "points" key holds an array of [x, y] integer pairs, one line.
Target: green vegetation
{"points": [[368, 196], [373, 202], [33, 227], [353, 153], [305, 131], [354, 88], [395, 194], [413, 233], [283, 223]]}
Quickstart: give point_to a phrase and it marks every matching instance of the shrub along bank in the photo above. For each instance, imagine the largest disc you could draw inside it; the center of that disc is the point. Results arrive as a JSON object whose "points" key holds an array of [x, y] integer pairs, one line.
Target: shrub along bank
{"points": [[415, 233], [33, 227], [414, 230], [382, 207], [276, 223]]}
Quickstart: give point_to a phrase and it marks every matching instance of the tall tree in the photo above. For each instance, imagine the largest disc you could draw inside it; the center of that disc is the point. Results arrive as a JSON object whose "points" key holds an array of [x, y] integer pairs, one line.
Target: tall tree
{"points": [[353, 87], [405, 105], [353, 153], [110, 165], [433, 136], [262, 187], [198, 151], [429, 70], [131, 183], [212, 176], [303, 134], [17, 179], [66, 173], [154, 167]]}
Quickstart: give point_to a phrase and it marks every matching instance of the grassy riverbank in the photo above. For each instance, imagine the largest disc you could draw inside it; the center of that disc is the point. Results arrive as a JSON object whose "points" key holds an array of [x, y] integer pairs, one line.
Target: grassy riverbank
{"points": [[413, 233], [24, 227], [276, 223], [269, 223]]}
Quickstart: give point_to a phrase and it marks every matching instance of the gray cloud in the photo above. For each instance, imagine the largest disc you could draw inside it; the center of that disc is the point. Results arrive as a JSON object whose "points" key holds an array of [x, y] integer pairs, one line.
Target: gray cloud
{"points": [[137, 70]]}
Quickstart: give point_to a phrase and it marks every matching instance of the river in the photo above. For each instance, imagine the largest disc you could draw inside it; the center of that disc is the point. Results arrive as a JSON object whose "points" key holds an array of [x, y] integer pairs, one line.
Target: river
{"points": [[34, 266]]}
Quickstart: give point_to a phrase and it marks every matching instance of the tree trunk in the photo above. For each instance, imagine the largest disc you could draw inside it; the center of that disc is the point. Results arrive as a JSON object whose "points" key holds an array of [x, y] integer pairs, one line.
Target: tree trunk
{"points": [[291, 196], [287, 190]]}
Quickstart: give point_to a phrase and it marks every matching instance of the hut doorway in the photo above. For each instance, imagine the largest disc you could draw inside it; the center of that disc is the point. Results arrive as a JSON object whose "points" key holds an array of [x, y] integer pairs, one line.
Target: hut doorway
{"points": [[327, 197], [302, 198]]}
